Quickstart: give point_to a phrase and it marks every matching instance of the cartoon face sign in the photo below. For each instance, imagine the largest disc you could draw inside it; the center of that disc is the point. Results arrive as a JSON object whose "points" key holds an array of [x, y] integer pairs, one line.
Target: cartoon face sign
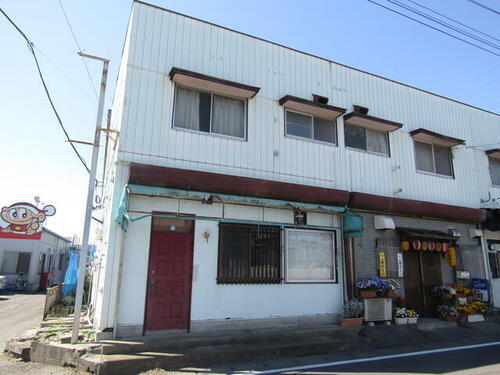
{"points": [[24, 218]]}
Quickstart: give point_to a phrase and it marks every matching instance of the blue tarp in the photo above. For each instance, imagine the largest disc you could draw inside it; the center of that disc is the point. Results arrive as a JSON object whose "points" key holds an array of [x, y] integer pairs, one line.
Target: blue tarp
{"points": [[71, 277]]}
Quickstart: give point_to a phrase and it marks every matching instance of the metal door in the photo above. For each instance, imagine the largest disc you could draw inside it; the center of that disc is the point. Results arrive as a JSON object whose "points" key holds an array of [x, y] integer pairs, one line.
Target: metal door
{"points": [[168, 298]]}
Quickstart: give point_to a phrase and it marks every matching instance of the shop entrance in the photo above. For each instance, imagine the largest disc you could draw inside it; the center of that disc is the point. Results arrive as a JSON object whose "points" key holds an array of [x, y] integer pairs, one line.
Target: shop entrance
{"points": [[422, 270], [168, 299]]}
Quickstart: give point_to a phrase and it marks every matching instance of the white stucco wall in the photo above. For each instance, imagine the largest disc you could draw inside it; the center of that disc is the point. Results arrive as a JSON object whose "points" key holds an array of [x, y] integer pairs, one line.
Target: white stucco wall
{"points": [[47, 244], [210, 301]]}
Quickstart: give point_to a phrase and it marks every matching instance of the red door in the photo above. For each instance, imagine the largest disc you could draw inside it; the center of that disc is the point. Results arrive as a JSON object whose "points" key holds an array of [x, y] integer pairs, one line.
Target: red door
{"points": [[168, 298]]}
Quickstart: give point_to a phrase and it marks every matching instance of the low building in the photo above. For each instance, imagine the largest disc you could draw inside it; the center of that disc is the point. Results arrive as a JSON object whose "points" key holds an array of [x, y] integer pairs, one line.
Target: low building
{"points": [[240, 165], [42, 261]]}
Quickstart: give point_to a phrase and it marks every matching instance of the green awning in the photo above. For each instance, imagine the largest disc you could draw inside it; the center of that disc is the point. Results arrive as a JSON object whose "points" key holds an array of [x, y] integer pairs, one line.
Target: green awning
{"points": [[123, 219]]}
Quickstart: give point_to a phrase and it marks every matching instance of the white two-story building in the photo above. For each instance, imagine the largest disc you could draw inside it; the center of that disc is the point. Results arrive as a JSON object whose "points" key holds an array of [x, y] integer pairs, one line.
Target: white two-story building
{"points": [[252, 184]]}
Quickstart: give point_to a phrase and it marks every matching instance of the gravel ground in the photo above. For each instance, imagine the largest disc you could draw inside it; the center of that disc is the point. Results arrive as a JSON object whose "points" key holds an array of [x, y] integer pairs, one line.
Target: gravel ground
{"points": [[18, 313]]}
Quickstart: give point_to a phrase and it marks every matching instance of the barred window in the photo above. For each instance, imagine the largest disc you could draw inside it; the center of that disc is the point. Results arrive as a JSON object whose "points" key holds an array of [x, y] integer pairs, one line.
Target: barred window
{"points": [[249, 254]]}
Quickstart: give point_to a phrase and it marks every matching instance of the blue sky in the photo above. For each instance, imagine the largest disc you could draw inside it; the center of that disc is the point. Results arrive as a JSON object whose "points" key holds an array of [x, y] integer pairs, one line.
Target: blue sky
{"points": [[37, 161]]}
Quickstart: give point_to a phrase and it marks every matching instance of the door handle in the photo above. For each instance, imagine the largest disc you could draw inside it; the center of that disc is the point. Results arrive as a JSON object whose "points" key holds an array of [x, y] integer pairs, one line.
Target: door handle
{"points": [[152, 287]]}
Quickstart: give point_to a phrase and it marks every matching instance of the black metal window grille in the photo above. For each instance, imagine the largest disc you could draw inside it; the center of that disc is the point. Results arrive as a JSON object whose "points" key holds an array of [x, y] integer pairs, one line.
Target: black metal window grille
{"points": [[249, 254]]}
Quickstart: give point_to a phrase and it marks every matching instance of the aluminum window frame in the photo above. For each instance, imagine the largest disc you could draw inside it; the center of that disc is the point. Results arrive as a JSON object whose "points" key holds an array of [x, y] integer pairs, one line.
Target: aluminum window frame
{"points": [[210, 132], [312, 139], [452, 176], [335, 265], [388, 155], [490, 160]]}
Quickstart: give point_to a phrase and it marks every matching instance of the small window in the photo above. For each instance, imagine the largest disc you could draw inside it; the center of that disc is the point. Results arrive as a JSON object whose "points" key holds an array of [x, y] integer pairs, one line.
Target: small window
{"points": [[23, 263], [310, 256], [249, 254], [306, 126], [495, 171], [210, 113], [61, 261], [433, 159], [366, 139], [494, 258]]}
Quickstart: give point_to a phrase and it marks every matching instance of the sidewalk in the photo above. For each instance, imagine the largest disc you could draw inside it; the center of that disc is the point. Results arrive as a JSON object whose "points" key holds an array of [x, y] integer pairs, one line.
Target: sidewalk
{"points": [[258, 349]]}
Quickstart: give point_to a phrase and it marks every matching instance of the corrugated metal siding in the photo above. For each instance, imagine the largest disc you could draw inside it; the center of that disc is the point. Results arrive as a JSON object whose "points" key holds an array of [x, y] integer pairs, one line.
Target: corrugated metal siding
{"points": [[160, 40]]}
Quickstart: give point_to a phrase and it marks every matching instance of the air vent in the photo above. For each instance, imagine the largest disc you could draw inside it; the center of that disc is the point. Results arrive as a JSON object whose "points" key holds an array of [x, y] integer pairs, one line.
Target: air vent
{"points": [[320, 99], [360, 109]]}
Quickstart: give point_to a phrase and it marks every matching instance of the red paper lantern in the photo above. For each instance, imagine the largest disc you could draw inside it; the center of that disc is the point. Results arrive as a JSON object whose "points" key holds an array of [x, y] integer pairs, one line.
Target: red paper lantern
{"points": [[445, 246], [432, 246], [416, 244]]}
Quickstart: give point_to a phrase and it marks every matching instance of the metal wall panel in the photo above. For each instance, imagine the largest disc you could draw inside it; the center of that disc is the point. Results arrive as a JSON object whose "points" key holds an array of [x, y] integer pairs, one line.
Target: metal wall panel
{"points": [[160, 40]]}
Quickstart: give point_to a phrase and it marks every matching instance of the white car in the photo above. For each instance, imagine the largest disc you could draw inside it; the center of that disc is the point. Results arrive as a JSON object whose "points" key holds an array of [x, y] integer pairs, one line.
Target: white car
{"points": [[3, 282]]}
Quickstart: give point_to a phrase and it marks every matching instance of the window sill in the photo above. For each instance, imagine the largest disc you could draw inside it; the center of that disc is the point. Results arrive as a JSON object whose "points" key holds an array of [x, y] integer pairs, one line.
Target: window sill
{"points": [[368, 152], [436, 175], [310, 140], [199, 132]]}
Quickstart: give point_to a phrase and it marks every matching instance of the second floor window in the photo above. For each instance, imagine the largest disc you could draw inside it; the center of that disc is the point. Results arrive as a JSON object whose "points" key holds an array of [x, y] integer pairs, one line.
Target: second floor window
{"points": [[210, 113], [365, 139], [306, 126], [495, 171], [433, 158]]}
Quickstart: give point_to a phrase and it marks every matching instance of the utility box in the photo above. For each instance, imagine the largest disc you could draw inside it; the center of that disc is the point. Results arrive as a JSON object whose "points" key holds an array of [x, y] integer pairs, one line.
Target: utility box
{"points": [[378, 309]]}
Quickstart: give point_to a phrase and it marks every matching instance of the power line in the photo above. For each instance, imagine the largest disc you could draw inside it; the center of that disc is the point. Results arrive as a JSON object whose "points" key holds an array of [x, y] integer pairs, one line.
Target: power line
{"points": [[79, 49], [442, 23], [434, 28], [32, 50], [483, 6], [454, 20]]}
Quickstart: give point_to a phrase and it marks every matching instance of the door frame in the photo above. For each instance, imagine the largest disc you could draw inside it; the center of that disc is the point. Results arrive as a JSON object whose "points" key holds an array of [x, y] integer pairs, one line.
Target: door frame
{"points": [[190, 294]]}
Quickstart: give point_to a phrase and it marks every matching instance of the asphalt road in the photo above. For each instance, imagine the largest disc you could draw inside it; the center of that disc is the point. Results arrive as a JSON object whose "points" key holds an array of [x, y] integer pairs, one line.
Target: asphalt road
{"points": [[478, 361], [18, 313]]}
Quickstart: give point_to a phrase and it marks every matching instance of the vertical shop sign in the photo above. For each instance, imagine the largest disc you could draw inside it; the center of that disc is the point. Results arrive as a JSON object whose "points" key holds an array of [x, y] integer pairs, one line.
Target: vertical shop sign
{"points": [[382, 267], [400, 265]]}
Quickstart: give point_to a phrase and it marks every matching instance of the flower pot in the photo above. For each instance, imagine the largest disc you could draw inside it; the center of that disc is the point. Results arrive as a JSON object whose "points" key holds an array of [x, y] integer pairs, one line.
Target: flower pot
{"points": [[368, 293], [391, 294], [450, 318], [351, 322], [401, 320], [412, 320]]}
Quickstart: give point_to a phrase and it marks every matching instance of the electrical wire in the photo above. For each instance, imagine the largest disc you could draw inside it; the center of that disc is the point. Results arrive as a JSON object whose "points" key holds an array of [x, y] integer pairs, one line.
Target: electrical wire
{"points": [[32, 50], [79, 49], [434, 28], [483, 6], [442, 23], [454, 20]]}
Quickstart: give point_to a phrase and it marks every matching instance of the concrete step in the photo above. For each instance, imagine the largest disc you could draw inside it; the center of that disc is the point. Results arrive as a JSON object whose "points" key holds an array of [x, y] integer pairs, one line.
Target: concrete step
{"points": [[190, 340], [125, 364]]}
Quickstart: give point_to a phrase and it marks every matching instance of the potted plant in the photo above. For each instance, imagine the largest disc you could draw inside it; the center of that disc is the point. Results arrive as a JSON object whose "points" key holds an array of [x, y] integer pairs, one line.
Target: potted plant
{"points": [[377, 287], [353, 313], [369, 286], [448, 312], [412, 316], [400, 304], [400, 318], [444, 291]]}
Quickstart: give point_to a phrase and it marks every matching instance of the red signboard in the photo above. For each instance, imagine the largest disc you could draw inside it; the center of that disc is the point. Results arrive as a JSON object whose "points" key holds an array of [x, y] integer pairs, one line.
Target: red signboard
{"points": [[24, 220]]}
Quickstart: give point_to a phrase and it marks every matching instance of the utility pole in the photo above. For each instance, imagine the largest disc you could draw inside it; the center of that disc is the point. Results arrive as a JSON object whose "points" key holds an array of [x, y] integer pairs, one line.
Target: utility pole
{"points": [[90, 199]]}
